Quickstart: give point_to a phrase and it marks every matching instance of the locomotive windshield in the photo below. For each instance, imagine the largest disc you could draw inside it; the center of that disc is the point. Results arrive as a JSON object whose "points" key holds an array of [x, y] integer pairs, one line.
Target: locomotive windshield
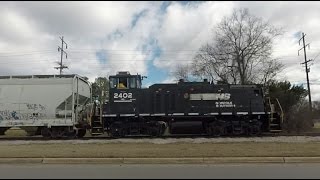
{"points": [[123, 83]]}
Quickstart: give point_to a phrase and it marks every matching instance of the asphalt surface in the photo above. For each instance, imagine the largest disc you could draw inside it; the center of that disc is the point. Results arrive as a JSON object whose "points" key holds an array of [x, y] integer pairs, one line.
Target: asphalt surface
{"points": [[235, 171]]}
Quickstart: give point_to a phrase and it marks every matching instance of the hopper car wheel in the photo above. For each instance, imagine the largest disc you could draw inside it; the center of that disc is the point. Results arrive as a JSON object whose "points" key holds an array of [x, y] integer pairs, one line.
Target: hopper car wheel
{"points": [[2, 131], [45, 132], [57, 133]]}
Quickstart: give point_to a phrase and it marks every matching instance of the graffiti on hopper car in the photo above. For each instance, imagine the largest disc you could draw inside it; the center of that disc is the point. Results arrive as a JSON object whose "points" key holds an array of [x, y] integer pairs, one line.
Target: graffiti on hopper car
{"points": [[35, 106], [27, 112]]}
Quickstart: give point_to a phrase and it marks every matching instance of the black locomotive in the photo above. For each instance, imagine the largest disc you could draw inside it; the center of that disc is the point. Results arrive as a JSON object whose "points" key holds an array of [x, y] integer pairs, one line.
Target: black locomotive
{"points": [[213, 109]]}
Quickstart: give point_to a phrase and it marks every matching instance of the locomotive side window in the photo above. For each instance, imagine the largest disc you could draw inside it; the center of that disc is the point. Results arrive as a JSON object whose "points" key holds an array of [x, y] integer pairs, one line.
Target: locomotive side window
{"points": [[123, 83], [113, 82], [133, 82], [138, 83]]}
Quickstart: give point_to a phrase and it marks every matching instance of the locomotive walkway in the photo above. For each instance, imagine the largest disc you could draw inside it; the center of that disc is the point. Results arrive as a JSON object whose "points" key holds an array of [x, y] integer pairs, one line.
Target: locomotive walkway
{"points": [[196, 160]]}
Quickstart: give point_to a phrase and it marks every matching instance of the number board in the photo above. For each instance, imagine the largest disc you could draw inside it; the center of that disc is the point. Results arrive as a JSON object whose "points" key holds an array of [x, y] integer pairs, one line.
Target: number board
{"points": [[122, 97]]}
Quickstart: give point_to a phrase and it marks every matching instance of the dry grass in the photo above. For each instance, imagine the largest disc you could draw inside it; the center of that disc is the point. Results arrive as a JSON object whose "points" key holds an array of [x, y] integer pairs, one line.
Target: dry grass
{"points": [[162, 150]]}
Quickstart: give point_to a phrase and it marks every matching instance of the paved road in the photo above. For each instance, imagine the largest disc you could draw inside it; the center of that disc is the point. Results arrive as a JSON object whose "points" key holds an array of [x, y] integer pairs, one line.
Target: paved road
{"points": [[243, 171]]}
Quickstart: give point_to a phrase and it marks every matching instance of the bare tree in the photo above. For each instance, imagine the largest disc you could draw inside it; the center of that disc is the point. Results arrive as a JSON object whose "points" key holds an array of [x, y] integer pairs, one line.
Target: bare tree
{"points": [[267, 71], [240, 52], [181, 72]]}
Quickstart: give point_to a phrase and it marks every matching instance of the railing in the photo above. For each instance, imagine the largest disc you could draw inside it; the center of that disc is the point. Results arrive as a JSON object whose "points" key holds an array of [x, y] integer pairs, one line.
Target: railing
{"points": [[275, 108], [271, 110], [282, 114]]}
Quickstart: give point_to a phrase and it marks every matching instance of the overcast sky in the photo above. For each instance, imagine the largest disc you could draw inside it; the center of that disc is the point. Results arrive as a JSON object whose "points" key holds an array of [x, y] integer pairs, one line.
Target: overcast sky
{"points": [[148, 38]]}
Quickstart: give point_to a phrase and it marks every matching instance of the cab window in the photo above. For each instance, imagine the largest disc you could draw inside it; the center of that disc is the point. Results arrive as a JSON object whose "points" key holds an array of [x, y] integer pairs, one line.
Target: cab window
{"points": [[138, 83], [133, 82], [123, 83], [113, 82]]}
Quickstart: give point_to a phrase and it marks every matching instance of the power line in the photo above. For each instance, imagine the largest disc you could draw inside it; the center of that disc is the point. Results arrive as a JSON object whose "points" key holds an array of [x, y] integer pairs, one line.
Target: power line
{"points": [[112, 52], [27, 54], [24, 51], [316, 56]]}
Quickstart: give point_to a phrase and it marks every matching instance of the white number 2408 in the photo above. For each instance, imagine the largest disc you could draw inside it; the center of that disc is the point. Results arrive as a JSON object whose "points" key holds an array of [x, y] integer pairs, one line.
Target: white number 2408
{"points": [[122, 95]]}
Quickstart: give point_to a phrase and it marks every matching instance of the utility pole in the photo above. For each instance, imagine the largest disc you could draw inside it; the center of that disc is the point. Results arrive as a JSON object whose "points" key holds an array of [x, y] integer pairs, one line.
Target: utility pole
{"points": [[62, 51], [306, 65]]}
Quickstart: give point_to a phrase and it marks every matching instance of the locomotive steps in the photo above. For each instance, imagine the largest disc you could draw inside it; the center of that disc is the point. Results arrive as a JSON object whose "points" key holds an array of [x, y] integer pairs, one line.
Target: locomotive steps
{"points": [[195, 160]]}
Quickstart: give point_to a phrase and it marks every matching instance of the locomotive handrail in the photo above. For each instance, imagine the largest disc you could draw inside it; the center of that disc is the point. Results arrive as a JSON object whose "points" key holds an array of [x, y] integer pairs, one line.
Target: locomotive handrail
{"points": [[271, 110], [270, 104], [282, 114]]}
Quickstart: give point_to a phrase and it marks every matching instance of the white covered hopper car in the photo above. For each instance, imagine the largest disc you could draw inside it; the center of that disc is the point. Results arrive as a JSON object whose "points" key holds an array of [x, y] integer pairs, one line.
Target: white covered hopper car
{"points": [[49, 105]]}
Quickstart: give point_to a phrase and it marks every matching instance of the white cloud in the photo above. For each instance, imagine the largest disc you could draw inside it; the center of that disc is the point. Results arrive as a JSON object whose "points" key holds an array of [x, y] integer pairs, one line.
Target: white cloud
{"points": [[36, 26], [279, 14], [294, 17], [185, 28], [29, 35]]}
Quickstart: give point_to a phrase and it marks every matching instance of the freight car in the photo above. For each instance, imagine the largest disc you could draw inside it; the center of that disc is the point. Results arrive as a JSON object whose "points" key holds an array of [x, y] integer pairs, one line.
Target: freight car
{"points": [[215, 109], [44, 104]]}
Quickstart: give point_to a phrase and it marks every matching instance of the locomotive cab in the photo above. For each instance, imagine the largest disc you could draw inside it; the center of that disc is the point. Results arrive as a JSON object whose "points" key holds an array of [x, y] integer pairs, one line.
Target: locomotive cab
{"points": [[123, 81], [123, 93]]}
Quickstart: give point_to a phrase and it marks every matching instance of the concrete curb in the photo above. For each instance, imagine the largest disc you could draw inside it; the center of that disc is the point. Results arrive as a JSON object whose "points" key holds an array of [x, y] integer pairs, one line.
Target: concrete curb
{"points": [[302, 159], [82, 160], [215, 160], [20, 160], [163, 160], [195, 160]]}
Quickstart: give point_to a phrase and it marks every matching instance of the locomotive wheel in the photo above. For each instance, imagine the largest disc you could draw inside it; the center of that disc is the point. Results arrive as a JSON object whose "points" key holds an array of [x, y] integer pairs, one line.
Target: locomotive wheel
{"points": [[72, 134], [215, 130], [154, 132], [254, 130], [117, 133]]}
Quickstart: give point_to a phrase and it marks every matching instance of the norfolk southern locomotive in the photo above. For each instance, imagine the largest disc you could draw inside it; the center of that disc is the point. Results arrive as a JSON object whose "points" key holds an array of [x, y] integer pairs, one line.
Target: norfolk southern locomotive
{"points": [[214, 109], [60, 105]]}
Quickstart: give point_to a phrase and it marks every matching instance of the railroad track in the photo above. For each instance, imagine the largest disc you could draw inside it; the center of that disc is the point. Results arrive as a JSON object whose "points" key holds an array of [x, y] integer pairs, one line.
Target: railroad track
{"points": [[37, 138]]}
